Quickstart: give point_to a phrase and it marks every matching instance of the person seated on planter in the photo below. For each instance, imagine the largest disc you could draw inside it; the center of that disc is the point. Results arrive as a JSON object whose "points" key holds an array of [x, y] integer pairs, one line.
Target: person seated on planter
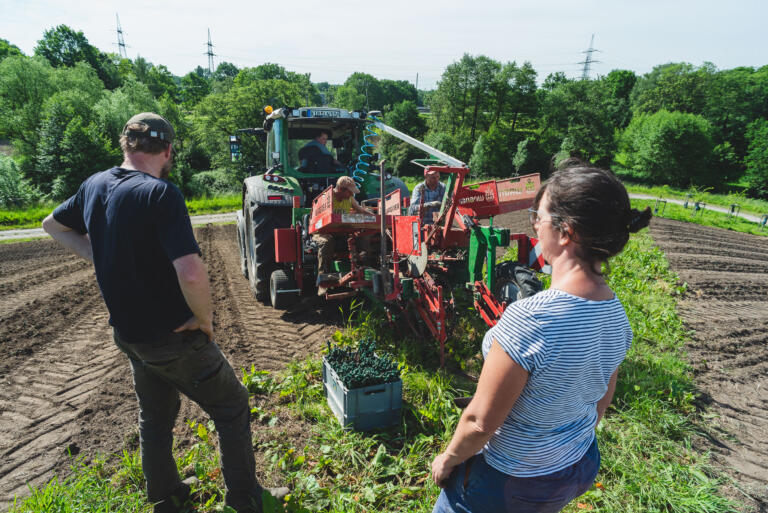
{"points": [[432, 191], [526, 441], [344, 202], [314, 156]]}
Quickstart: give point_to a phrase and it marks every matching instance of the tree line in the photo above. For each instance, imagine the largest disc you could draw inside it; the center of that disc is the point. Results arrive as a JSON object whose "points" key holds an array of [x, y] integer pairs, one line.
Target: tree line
{"points": [[62, 109]]}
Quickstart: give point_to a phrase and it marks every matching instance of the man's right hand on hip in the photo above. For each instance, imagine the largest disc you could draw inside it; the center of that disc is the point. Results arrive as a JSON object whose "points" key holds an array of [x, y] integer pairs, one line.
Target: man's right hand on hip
{"points": [[193, 323]]}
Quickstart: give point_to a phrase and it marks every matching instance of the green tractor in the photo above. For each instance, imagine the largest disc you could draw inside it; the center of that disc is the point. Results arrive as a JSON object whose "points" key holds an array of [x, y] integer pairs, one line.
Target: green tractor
{"points": [[298, 168]]}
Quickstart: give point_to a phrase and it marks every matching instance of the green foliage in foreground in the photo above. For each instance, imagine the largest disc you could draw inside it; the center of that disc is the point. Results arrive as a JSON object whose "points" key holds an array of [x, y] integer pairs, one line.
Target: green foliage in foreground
{"points": [[703, 217], [648, 463], [89, 488]]}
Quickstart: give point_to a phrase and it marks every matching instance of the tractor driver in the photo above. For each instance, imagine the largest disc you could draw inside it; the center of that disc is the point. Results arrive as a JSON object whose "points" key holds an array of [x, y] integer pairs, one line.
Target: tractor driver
{"points": [[432, 191], [344, 202], [315, 157]]}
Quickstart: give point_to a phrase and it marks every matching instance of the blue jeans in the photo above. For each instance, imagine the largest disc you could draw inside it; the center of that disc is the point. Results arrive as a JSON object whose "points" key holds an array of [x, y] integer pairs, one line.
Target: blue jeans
{"points": [[190, 363], [476, 487]]}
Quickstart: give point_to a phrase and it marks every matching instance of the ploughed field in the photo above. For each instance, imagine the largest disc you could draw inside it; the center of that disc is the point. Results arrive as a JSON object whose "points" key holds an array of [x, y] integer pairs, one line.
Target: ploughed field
{"points": [[67, 389], [726, 307]]}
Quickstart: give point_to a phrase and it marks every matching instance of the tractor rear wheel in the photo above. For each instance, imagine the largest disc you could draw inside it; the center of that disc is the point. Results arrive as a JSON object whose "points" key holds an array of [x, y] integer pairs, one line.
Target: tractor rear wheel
{"points": [[282, 290], [260, 226], [515, 281]]}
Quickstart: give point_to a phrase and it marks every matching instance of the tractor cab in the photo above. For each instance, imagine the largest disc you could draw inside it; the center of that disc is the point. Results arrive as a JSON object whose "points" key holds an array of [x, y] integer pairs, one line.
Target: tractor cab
{"points": [[298, 168], [340, 146], [293, 149]]}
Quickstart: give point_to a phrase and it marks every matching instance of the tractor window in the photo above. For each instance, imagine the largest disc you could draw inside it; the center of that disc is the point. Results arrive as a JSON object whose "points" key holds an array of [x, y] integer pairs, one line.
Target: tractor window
{"points": [[271, 147], [294, 145]]}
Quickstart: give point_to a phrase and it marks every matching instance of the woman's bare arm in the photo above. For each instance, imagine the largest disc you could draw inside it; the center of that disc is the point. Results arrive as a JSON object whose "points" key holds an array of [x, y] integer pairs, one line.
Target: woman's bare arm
{"points": [[501, 382]]}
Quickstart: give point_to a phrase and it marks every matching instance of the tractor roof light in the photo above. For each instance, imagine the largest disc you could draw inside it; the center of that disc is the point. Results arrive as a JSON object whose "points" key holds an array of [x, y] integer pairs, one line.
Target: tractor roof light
{"points": [[268, 110]]}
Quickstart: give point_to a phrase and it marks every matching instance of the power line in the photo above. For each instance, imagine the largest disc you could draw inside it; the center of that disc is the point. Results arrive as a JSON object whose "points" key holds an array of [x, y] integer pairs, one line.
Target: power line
{"points": [[588, 61], [120, 41], [210, 53]]}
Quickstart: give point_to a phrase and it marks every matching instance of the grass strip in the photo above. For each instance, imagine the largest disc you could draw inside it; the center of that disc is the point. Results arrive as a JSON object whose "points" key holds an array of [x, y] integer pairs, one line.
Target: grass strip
{"points": [[748, 205], [214, 204], [19, 219], [32, 217], [648, 463], [703, 217]]}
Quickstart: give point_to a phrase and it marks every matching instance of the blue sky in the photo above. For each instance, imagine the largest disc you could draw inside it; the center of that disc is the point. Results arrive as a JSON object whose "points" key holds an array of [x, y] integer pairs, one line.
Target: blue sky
{"points": [[397, 39]]}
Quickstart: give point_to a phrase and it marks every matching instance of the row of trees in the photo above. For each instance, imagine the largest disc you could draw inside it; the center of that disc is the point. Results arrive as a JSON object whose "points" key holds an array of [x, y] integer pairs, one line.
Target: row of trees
{"points": [[62, 109], [678, 124]]}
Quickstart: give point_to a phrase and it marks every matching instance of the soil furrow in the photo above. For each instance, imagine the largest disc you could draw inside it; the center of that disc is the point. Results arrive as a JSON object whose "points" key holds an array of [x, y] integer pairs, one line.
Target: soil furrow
{"points": [[23, 298], [20, 282], [727, 309], [21, 257]]}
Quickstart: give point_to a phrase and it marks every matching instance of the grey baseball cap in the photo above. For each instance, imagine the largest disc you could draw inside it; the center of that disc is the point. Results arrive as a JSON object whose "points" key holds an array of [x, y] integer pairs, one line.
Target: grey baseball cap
{"points": [[153, 125]]}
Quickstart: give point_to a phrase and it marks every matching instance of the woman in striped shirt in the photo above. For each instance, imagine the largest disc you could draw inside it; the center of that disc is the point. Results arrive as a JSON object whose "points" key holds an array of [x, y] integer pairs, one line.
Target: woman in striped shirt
{"points": [[526, 442]]}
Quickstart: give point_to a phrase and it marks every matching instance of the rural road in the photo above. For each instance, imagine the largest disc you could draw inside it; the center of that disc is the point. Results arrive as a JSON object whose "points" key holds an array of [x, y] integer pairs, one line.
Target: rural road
{"points": [[230, 216]]}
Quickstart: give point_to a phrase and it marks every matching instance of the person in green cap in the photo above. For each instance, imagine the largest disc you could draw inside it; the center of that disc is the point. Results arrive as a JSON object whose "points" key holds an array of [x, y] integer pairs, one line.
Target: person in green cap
{"points": [[134, 226]]}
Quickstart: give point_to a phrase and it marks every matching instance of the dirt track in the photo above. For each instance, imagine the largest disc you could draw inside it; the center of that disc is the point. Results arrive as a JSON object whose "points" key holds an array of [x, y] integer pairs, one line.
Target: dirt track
{"points": [[65, 386]]}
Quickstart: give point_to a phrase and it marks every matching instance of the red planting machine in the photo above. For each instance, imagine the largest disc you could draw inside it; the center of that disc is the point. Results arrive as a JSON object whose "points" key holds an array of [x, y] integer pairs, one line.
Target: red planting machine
{"points": [[405, 264]]}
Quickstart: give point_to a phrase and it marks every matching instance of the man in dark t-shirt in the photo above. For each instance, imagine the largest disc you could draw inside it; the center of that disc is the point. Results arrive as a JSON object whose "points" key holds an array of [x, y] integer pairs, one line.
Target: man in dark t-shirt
{"points": [[133, 225]]}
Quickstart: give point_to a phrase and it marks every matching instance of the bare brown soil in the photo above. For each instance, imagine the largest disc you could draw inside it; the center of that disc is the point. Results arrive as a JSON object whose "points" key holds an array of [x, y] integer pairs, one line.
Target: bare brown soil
{"points": [[65, 386], [726, 307]]}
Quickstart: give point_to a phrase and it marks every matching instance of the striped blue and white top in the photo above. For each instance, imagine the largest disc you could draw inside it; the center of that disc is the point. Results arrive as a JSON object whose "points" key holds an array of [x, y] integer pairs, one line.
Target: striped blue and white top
{"points": [[570, 347]]}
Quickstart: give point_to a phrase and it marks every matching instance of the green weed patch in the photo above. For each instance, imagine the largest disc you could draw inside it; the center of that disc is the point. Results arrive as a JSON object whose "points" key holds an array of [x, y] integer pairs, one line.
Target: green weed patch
{"points": [[90, 488]]}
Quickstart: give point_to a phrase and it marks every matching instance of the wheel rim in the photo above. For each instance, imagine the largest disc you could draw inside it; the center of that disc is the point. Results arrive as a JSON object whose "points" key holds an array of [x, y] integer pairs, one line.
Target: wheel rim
{"points": [[510, 292], [272, 291]]}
